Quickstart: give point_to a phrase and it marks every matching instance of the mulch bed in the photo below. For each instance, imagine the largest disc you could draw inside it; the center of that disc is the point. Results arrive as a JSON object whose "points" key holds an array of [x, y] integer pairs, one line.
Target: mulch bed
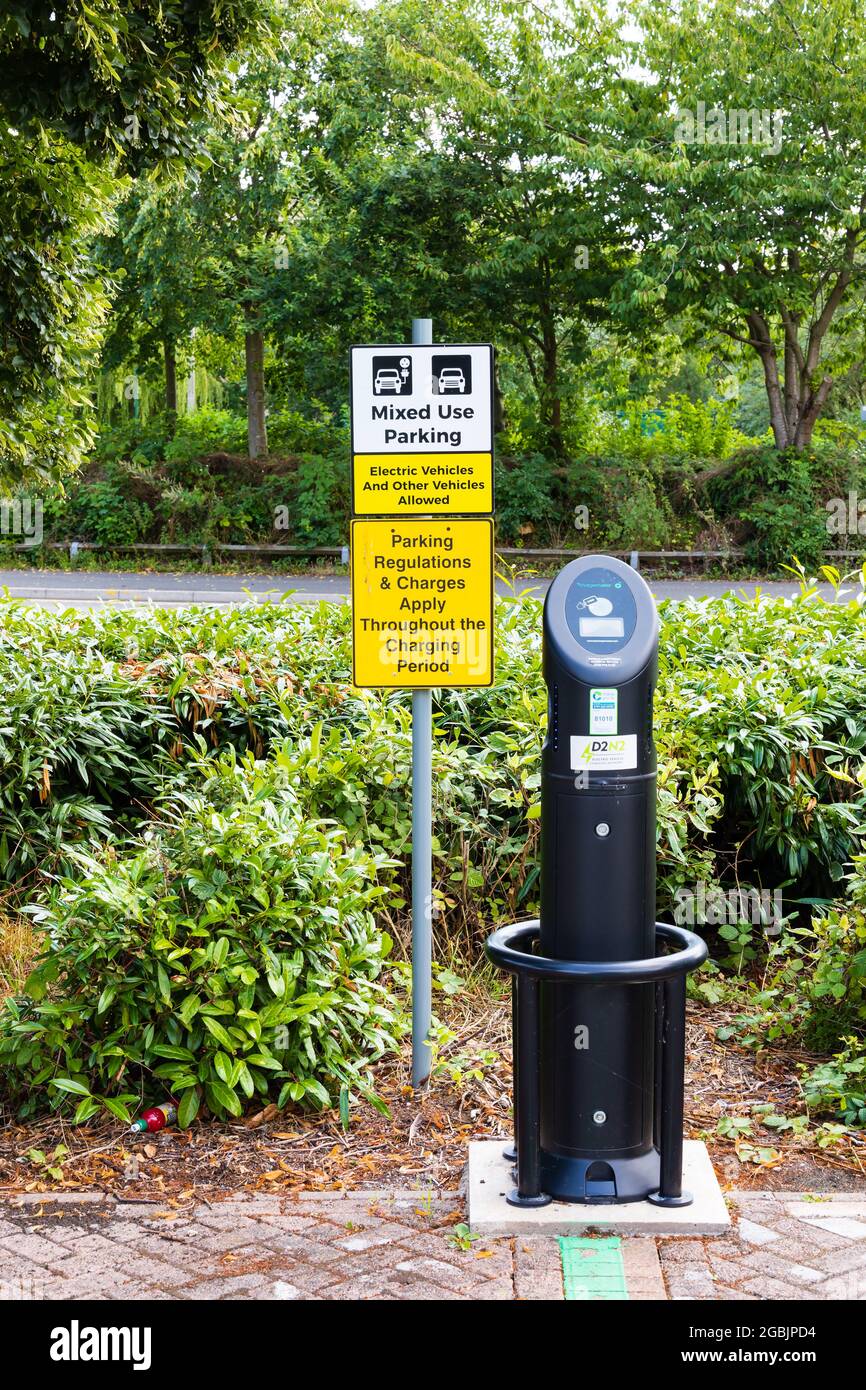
{"points": [[422, 1142]]}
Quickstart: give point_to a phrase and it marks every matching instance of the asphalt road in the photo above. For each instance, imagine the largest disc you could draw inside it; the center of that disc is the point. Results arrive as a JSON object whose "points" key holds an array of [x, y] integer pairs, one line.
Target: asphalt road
{"points": [[60, 589]]}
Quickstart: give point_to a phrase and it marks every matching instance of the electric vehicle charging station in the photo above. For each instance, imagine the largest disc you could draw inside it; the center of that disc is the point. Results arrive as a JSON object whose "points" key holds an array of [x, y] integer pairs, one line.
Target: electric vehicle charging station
{"points": [[598, 1015]]}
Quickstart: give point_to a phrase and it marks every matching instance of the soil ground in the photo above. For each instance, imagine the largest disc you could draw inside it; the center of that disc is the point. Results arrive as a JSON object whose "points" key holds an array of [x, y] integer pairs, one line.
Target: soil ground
{"points": [[422, 1142]]}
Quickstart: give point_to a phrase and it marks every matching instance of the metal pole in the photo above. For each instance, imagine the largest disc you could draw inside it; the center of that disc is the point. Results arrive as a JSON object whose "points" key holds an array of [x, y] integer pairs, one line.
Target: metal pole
{"points": [[511, 1151], [526, 1099], [422, 850], [670, 1193]]}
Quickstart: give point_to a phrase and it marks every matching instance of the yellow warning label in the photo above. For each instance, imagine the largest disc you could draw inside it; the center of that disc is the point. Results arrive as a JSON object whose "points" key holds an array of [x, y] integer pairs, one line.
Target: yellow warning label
{"points": [[422, 603], [405, 484]]}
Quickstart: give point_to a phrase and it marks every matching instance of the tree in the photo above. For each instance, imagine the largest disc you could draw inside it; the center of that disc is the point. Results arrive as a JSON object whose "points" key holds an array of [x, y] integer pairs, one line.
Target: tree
{"points": [[253, 189], [440, 190], [751, 198], [117, 83], [150, 259]]}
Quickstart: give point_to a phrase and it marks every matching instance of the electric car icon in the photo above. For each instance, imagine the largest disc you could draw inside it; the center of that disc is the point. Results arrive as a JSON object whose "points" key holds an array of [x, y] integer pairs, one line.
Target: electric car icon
{"points": [[388, 379], [451, 379]]}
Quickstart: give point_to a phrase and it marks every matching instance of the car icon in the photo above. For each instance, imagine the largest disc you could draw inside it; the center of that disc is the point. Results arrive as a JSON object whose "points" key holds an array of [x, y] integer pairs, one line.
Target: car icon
{"points": [[387, 379], [451, 379]]}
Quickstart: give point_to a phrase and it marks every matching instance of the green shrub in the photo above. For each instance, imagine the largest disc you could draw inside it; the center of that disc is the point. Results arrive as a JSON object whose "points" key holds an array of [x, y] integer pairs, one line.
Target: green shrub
{"points": [[774, 692], [232, 955], [320, 510], [526, 504], [678, 428], [275, 768], [838, 1087], [77, 741], [834, 984], [207, 431], [776, 495], [103, 508]]}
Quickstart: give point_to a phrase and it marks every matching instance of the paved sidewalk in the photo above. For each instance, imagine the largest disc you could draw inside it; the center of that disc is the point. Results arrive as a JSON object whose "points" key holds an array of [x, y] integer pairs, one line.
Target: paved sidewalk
{"points": [[375, 1245], [784, 1246]]}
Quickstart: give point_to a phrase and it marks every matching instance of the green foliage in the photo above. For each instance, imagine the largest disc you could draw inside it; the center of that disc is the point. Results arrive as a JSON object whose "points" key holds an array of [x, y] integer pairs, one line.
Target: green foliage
{"points": [[319, 510], [103, 509], [76, 741], [839, 1086], [679, 427], [526, 505], [776, 693], [213, 719], [777, 496], [191, 481], [207, 431], [834, 985], [232, 954], [122, 82]]}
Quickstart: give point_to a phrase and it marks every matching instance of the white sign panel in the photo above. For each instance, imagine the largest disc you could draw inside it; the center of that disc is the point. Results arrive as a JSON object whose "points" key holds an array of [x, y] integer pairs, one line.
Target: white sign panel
{"points": [[600, 754], [430, 399]]}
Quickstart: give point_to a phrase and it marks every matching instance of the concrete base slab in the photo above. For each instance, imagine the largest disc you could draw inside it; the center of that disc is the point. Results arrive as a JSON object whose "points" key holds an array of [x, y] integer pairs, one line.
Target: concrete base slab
{"points": [[491, 1176]]}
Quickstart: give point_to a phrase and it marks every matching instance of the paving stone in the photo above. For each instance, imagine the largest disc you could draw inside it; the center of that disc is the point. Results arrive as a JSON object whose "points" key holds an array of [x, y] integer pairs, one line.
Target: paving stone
{"points": [[754, 1234], [643, 1274], [37, 1250], [805, 1274], [852, 1258], [802, 1233], [226, 1288], [839, 1225], [682, 1251], [366, 1246], [537, 1269], [766, 1287]]}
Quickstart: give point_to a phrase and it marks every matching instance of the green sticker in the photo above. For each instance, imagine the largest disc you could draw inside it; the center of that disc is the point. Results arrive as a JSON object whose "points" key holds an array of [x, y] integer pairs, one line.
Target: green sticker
{"points": [[603, 711]]}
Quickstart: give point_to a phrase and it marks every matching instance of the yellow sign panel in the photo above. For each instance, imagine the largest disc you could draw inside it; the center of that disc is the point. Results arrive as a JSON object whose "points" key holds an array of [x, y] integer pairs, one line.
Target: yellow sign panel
{"points": [[406, 484], [422, 603]]}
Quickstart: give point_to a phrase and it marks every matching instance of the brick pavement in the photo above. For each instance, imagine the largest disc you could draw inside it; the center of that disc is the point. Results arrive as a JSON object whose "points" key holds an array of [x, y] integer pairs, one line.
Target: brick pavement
{"points": [[376, 1245]]}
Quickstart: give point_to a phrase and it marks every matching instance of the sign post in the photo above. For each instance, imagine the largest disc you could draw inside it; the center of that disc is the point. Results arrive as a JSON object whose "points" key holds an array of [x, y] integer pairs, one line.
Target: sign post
{"points": [[422, 565], [422, 846]]}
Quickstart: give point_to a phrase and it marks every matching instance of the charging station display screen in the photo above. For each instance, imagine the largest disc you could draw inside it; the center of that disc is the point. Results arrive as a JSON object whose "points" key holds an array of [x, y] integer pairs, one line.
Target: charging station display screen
{"points": [[601, 627], [600, 610]]}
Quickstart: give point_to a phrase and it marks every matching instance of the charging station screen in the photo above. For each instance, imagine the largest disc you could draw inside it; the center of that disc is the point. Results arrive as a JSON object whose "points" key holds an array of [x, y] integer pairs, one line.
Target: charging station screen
{"points": [[601, 627]]}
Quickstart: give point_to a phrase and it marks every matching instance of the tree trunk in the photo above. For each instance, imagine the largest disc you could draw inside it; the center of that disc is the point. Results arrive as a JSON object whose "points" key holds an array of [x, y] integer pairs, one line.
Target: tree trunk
{"points": [[257, 430], [552, 404], [810, 409], [499, 421], [170, 360]]}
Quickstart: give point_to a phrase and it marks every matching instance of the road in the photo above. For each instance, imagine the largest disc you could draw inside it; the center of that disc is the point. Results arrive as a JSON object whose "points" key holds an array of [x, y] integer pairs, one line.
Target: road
{"points": [[60, 589]]}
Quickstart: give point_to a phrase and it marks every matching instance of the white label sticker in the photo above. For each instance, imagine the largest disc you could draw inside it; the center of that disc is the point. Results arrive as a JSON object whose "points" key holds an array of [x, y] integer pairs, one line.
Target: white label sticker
{"points": [[600, 754], [603, 709]]}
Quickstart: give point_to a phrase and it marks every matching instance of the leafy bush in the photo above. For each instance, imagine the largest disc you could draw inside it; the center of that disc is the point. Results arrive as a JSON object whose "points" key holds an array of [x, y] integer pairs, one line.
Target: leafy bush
{"points": [[679, 427], [778, 499], [320, 506], [839, 1086], [232, 954], [760, 727], [104, 509], [775, 693], [207, 431], [76, 741], [526, 504]]}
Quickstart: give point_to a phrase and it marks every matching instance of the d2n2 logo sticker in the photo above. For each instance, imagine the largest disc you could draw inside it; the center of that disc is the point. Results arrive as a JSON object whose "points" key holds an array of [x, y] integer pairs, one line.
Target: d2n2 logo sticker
{"points": [[596, 753]]}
